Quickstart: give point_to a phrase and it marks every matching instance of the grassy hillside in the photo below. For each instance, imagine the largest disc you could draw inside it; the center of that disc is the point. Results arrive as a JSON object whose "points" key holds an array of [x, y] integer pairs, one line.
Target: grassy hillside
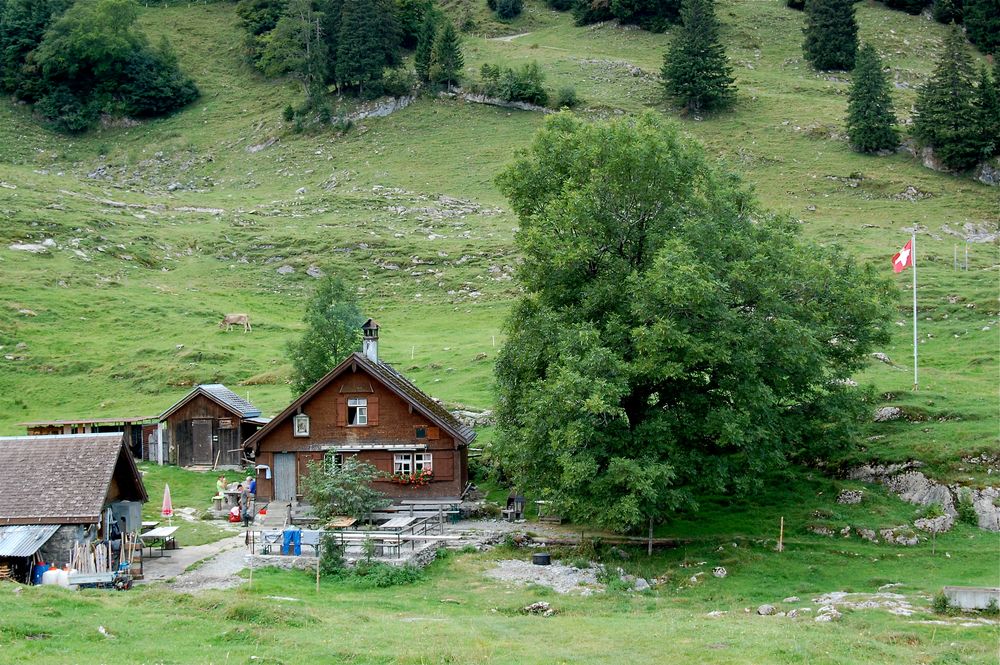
{"points": [[163, 227]]}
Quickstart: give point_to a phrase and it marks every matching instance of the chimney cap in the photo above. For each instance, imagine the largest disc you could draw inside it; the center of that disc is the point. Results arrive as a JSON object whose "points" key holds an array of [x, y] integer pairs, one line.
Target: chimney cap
{"points": [[370, 324]]}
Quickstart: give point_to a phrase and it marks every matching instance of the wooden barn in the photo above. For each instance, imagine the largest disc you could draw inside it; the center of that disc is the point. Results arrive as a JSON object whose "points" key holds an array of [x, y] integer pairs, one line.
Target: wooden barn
{"points": [[139, 431], [209, 427], [60, 490], [364, 407]]}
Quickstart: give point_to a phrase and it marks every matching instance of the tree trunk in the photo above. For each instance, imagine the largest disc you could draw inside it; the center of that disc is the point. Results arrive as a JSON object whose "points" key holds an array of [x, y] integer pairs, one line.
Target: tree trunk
{"points": [[649, 545]]}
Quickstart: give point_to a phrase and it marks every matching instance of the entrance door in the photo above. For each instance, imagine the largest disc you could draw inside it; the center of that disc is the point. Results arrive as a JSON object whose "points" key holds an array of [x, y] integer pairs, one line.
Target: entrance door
{"points": [[201, 440], [284, 476]]}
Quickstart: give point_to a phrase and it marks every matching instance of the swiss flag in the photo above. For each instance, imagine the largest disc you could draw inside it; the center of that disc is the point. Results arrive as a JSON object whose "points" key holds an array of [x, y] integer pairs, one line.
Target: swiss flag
{"points": [[903, 259]]}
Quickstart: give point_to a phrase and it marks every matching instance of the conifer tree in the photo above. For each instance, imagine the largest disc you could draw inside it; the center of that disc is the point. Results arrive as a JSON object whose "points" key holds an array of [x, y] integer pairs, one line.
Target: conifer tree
{"points": [[368, 42], [870, 117], [831, 34], [446, 56], [946, 117], [425, 45], [987, 104], [948, 11], [695, 71], [982, 24]]}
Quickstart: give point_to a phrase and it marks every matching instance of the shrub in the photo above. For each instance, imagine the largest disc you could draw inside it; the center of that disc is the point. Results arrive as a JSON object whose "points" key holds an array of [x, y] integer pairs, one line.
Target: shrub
{"points": [[288, 114], [931, 511], [398, 82], [967, 511], [331, 557], [566, 97], [381, 575], [521, 85], [940, 604], [560, 5], [796, 4], [908, 6], [586, 12]]}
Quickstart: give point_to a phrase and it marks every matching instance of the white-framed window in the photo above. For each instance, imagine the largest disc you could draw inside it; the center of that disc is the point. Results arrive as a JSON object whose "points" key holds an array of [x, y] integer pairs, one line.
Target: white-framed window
{"points": [[333, 461], [300, 425], [402, 463], [422, 462], [357, 411]]}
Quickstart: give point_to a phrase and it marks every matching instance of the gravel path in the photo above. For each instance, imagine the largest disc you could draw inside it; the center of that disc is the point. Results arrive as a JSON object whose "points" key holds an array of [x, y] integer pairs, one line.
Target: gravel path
{"points": [[218, 571]]}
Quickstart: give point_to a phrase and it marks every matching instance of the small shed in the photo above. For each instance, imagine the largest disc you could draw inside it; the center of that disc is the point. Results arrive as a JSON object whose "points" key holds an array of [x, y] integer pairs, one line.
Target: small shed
{"points": [[59, 490], [209, 426]]}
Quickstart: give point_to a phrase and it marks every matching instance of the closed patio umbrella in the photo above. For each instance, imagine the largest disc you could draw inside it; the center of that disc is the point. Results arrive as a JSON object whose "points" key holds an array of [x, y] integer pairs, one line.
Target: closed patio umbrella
{"points": [[168, 506]]}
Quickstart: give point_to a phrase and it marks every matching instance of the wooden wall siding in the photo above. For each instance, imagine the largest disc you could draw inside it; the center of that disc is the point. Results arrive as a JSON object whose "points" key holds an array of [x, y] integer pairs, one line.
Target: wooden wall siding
{"points": [[391, 421], [225, 443]]}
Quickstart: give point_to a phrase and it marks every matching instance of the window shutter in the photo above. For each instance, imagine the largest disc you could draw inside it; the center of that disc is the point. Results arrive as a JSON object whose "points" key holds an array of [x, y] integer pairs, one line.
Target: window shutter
{"points": [[373, 410], [341, 412], [433, 433]]}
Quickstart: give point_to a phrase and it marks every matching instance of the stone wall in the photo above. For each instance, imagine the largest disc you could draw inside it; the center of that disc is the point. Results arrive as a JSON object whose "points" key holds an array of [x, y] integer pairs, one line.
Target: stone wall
{"points": [[60, 546]]}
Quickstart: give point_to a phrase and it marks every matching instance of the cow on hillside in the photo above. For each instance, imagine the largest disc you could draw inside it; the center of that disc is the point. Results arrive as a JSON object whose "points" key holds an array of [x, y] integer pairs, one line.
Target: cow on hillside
{"points": [[231, 320]]}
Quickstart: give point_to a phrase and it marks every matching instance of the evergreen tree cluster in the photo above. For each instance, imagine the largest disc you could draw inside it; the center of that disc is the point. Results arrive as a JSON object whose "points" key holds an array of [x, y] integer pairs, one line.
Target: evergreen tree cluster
{"points": [[652, 15], [831, 34], [506, 9], [956, 115], [77, 61], [345, 43], [438, 58], [695, 70]]}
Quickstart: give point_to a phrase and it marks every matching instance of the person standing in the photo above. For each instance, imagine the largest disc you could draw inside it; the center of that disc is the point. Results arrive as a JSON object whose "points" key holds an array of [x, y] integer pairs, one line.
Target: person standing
{"points": [[220, 485], [244, 503]]}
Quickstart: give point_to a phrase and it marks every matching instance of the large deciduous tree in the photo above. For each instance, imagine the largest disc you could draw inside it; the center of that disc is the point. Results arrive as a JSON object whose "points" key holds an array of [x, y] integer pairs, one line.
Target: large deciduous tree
{"points": [[673, 337], [695, 70], [946, 117], [298, 46], [333, 330], [870, 117], [831, 34]]}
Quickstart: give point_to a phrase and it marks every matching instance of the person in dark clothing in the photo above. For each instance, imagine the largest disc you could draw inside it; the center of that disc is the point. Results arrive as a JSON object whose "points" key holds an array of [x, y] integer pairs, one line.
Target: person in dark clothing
{"points": [[244, 504]]}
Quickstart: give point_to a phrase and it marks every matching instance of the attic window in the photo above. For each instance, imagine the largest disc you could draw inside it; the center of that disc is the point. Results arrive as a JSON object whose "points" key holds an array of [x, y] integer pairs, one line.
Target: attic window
{"points": [[421, 432], [357, 411]]}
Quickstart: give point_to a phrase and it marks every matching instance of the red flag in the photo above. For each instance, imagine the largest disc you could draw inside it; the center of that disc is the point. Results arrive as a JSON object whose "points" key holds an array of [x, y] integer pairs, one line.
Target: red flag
{"points": [[903, 259]]}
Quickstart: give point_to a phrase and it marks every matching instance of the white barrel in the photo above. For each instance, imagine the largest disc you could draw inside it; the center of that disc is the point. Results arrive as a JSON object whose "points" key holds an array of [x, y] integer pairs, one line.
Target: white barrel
{"points": [[50, 575]]}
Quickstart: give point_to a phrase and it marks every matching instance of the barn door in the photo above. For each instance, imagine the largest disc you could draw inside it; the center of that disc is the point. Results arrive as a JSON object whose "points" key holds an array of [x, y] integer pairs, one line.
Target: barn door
{"points": [[201, 439], [284, 476]]}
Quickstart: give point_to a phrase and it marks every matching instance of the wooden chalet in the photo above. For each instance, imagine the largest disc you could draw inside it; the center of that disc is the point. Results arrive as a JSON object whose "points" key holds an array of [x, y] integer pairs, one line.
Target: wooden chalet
{"points": [[365, 408], [139, 431], [60, 490], [209, 426]]}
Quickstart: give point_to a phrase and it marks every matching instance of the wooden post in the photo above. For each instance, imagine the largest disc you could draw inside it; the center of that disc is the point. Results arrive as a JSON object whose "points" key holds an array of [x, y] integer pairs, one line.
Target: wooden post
{"points": [[318, 552], [250, 584], [649, 547], [781, 535]]}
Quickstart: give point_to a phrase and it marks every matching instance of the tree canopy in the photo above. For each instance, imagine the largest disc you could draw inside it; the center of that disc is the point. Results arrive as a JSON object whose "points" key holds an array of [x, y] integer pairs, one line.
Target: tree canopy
{"points": [[78, 61], [333, 330], [673, 337]]}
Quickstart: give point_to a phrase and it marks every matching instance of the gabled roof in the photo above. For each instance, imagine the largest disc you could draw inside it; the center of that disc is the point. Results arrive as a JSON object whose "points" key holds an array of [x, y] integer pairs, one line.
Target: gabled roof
{"points": [[219, 394], [64, 478], [394, 381]]}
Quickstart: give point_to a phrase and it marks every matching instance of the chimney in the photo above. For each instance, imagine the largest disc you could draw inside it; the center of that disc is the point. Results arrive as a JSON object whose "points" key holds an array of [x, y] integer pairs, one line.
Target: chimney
{"points": [[370, 341]]}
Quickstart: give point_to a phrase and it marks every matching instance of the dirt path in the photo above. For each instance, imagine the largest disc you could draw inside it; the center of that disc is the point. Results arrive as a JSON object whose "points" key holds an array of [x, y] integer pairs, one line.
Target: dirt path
{"points": [[509, 38]]}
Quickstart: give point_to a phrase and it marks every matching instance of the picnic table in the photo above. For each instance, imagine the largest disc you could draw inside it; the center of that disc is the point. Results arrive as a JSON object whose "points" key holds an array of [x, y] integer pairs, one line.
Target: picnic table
{"points": [[398, 523], [341, 522], [161, 536], [151, 524]]}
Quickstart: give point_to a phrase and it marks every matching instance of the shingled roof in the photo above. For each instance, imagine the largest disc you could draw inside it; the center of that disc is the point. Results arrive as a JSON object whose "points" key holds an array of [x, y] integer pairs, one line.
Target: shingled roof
{"points": [[220, 394], [395, 382], [64, 478]]}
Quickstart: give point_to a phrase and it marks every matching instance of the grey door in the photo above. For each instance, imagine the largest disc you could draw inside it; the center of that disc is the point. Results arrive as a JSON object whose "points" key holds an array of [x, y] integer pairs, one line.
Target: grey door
{"points": [[284, 476], [201, 440]]}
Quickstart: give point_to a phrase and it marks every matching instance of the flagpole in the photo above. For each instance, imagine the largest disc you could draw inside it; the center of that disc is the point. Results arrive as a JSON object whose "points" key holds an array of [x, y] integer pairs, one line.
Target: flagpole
{"points": [[913, 258]]}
